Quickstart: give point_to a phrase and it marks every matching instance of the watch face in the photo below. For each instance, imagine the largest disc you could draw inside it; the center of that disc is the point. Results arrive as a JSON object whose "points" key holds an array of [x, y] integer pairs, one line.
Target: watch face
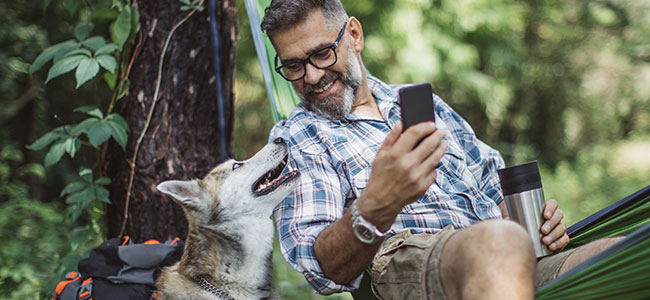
{"points": [[364, 233]]}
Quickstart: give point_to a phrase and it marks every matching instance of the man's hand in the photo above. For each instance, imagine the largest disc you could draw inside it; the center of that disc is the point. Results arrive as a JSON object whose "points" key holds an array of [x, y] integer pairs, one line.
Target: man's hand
{"points": [[401, 172], [554, 231]]}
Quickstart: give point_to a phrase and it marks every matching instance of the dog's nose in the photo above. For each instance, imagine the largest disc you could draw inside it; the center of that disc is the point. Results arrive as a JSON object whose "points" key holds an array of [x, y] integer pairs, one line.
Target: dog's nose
{"points": [[278, 141]]}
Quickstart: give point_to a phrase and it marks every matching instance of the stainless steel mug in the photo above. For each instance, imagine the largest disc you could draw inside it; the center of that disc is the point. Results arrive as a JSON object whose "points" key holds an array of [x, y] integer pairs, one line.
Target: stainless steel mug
{"points": [[522, 189]]}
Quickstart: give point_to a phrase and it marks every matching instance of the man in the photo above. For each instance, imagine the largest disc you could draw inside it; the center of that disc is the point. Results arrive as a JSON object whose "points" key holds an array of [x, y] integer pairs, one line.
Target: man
{"points": [[426, 217]]}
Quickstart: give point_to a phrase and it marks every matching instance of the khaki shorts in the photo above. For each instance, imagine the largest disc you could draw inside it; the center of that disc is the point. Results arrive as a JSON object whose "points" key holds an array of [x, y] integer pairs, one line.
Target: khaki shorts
{"points": [[406, 266]]}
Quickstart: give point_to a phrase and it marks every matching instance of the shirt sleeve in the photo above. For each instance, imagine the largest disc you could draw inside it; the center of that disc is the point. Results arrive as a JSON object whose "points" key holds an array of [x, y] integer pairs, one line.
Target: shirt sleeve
{"points": [[316, 203], [483, 161]]}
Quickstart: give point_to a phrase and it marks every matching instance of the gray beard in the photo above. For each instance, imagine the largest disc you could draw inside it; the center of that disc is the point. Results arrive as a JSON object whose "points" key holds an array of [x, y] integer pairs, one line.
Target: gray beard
{"points": [[336, 107]]}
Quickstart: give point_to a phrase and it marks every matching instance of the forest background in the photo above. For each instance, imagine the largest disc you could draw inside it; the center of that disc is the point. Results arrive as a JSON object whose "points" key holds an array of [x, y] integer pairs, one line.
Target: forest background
{"points": [[564, 82]]}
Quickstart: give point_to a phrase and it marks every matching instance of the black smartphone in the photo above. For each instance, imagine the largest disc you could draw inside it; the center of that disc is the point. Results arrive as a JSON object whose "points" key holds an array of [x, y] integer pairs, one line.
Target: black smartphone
{"points": [[416, 102]]}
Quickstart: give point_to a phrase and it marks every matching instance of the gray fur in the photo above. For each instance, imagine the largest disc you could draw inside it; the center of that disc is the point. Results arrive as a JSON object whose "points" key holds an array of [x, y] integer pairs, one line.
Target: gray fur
{"points": [[230, 237]]}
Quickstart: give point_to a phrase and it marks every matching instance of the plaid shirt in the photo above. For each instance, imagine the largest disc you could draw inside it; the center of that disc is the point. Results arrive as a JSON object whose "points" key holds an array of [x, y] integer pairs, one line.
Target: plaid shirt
{"points": [[335, 159]]}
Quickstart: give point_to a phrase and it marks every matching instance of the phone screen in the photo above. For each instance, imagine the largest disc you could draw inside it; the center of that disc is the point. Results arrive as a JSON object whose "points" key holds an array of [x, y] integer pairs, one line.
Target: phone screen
{"points": [[416, 102]]}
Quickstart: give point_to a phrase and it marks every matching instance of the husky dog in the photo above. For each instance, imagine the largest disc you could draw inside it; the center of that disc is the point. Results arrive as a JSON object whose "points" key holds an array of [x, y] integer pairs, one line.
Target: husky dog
{"points": [[229, 244]]}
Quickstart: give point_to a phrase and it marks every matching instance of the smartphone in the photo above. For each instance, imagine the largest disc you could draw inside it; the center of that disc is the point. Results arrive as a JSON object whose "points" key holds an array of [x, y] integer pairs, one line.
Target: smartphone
{"points": [[416, 102]]}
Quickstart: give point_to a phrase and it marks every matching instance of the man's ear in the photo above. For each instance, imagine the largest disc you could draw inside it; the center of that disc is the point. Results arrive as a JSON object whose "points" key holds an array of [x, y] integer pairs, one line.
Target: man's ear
{"points": [[356, 33], [185, 193]]}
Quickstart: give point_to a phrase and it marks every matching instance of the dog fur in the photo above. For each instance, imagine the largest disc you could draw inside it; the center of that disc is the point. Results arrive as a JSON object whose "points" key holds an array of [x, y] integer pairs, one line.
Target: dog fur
{"points": [[230, 237]]}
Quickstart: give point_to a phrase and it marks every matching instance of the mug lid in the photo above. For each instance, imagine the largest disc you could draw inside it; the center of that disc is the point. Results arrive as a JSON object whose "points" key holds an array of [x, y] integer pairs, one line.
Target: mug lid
{"points": [[520, 178]]}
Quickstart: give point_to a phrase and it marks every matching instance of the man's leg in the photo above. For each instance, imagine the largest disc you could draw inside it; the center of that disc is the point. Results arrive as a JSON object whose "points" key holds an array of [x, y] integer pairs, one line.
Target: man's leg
{"points": [[582, 253], [488, 260]]}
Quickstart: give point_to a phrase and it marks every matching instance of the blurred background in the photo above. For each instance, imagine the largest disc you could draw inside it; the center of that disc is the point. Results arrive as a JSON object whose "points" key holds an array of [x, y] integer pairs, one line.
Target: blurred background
{"points": [[566, 83]]}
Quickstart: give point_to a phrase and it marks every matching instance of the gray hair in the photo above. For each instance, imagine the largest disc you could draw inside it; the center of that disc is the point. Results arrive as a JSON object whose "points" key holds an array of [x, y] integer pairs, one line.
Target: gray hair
{"points": [[282, 14]]}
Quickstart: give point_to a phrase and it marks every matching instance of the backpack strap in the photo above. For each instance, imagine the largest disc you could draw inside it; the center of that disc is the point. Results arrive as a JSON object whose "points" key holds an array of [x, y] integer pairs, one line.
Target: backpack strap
{"points": [[86, 289], [71, 282]]}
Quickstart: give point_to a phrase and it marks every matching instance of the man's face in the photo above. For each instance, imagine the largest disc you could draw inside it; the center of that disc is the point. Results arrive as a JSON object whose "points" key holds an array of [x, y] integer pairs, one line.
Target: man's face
{"points": [[331, 91]]}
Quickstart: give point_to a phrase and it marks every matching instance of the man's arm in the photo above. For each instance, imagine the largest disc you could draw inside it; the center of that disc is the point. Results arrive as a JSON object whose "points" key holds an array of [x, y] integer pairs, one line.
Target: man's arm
{"points": [[400, 175]]}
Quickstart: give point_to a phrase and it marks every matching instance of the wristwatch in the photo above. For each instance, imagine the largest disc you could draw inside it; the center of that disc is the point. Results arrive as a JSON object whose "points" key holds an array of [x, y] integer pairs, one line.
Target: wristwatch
{"points": [[365, 231]]}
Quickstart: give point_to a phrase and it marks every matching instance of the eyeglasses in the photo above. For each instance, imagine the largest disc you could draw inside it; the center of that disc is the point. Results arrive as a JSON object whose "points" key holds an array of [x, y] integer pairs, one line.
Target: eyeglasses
{"points": [[321, 59]]}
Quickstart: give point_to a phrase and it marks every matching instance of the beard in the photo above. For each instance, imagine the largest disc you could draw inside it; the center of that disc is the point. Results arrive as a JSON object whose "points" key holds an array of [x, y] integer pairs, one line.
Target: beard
{"points": [[335, 106]]}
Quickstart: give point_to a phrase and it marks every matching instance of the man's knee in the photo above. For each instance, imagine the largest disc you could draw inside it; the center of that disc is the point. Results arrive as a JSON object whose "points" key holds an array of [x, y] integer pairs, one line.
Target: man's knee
{"points": [[499, 238]]}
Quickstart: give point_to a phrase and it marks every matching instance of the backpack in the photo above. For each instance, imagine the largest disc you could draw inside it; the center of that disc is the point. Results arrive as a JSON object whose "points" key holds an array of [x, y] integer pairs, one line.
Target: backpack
{"points": [[119, 269]]}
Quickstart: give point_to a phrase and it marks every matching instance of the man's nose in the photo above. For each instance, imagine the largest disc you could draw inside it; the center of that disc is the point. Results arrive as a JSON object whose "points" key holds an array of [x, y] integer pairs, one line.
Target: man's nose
{"points": [[313, 74]]}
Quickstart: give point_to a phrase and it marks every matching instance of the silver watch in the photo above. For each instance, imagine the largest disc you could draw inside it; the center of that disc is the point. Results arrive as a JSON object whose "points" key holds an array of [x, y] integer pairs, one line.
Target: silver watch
{"points": [[365, 231]]}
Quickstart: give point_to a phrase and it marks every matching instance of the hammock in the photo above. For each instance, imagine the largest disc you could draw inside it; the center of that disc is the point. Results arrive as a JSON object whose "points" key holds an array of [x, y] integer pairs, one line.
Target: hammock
{"points": [[620, 272]]}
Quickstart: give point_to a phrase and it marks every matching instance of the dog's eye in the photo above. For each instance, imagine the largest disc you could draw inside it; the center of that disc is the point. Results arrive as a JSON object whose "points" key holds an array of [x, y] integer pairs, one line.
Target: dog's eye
{"points": [[236, 165]]}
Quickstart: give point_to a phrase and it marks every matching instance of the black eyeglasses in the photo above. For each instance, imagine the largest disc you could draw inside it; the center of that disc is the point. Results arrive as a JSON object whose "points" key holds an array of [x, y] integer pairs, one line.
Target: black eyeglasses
{"points": [[322, 59]]}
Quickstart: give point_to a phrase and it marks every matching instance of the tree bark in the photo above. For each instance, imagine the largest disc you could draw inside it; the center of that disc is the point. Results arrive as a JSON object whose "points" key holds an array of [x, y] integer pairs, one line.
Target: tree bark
{"points": [[183, 138]]}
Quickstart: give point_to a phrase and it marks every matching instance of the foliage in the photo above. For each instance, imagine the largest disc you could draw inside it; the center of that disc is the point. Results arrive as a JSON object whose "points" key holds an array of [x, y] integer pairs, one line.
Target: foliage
{"points": [[34, 232]]}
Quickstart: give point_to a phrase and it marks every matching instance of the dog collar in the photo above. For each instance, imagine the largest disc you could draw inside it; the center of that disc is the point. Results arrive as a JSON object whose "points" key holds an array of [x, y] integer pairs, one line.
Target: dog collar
{"points": [[208, 286]]}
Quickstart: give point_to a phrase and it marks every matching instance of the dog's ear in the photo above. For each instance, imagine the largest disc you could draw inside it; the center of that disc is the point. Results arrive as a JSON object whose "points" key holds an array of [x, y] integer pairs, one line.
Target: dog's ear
{"points": [[185, 192]]}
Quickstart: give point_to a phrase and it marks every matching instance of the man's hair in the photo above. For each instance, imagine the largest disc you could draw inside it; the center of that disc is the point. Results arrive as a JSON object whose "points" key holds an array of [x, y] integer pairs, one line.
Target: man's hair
{"points": [[282, 14]]}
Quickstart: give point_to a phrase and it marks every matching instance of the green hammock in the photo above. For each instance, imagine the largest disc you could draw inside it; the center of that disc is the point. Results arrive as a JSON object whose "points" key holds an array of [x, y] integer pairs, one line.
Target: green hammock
{"points": [[620, 272]]}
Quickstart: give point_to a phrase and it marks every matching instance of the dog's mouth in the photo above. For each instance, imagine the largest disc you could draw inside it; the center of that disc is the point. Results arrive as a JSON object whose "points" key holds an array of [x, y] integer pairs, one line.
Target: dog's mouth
{"points": [[271, 180]]}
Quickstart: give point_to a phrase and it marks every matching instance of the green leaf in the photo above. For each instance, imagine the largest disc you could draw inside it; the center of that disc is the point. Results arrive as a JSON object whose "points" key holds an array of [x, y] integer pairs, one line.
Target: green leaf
{"points": [[103, 181], [72, 6], [79, 237], [124, 87], [121, 28], [87, 69], [116, 118], [64, 65], [72, 145], [56, 50], [102, 194], [99, 133], [86, 174], [187, 2], [47, 139], [54, 155], [118, 132], [81, 31], [135, 23], [105, 14], [90, 110], [107, 62], [110, 79], [73, 187], [83, 126], [80, 51], [34, 169], [108, 48], [95, 42]]}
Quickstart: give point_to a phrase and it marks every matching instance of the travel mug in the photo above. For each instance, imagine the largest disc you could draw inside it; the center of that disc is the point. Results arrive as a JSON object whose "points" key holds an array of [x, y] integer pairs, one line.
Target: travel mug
{"points": [[522, 189]]}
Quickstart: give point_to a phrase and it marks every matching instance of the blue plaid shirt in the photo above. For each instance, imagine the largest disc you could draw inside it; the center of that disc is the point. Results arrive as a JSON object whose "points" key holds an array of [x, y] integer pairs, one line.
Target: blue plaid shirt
{"points": [[335, 158]]}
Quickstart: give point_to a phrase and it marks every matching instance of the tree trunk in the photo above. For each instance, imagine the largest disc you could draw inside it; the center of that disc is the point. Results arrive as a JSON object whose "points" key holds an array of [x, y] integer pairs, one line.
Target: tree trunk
{"points": [[183, 139]]}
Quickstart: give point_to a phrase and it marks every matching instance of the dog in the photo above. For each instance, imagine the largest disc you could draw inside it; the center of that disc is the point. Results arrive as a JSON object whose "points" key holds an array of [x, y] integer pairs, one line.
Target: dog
{"points": [[229, 244]]}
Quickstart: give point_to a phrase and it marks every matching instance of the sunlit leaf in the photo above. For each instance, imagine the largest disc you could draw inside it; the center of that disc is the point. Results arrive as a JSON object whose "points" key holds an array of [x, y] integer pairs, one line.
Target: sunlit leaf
{"points": [[64, 65], [90, 110], [73, 188], [105, 14], [83, 126], [110, 79], [107, 62], [81, 51], [52, 52], [86, 174], [72, 145], [121, 28], [95, 43], [47, 139], [86, 70], [99, 133], [108, 48]]}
